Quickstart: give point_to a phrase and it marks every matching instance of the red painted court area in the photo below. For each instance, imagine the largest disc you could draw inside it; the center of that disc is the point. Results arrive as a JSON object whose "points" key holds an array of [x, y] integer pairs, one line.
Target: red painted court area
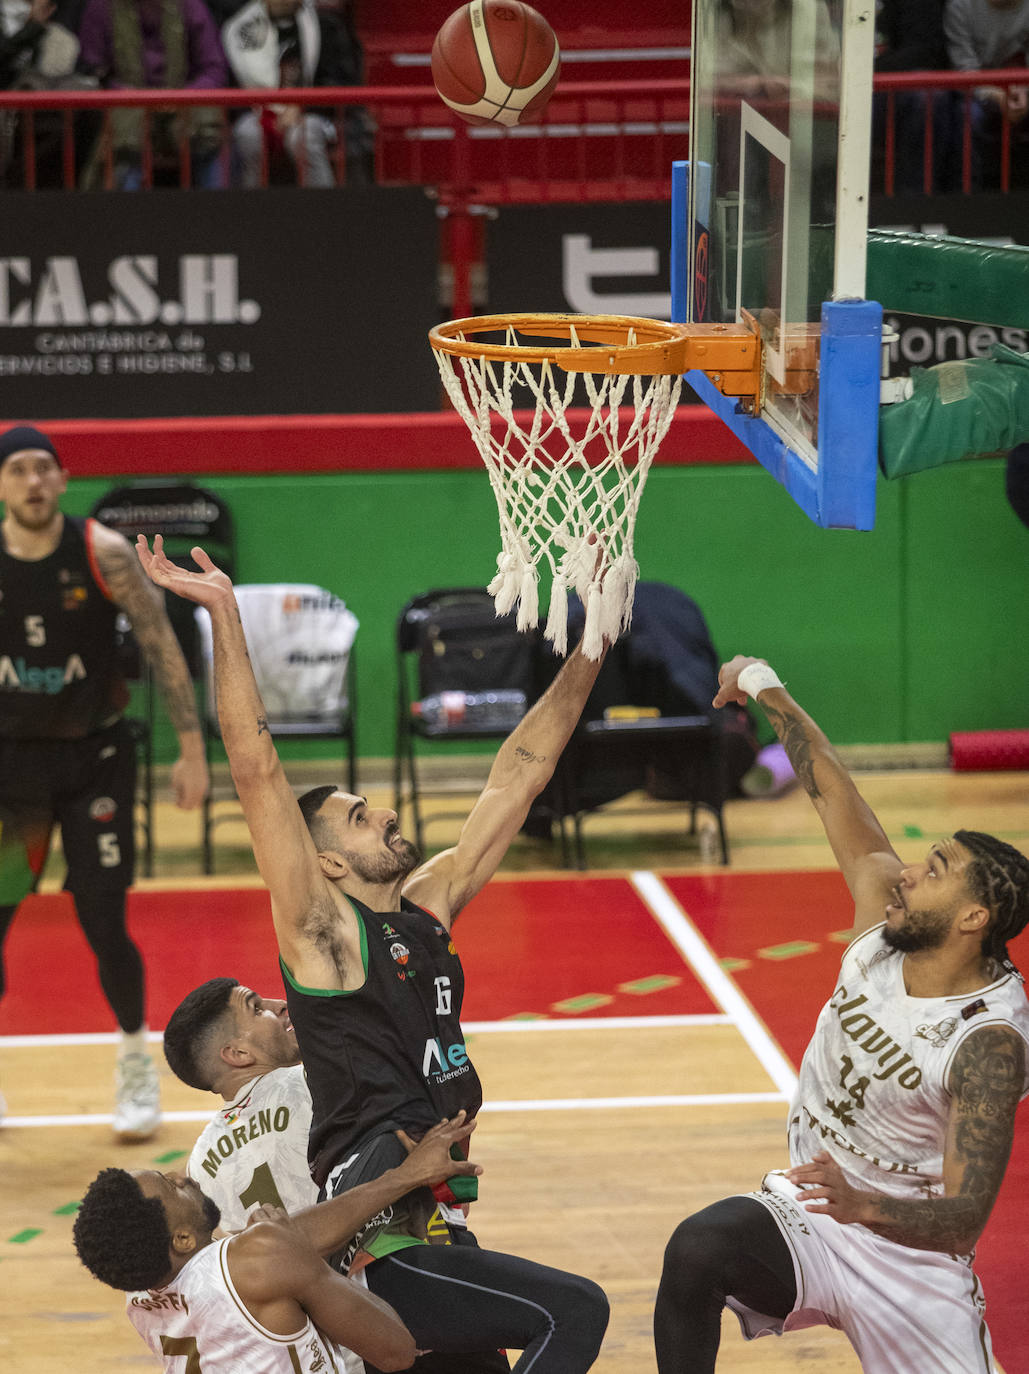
{"points": [[561, 947], [585, 946]]}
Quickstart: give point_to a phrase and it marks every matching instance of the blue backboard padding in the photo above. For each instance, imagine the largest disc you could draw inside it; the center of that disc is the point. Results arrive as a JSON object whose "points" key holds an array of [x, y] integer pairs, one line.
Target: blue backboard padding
{"points": [[680, 240], [848, 412], [681, 276], [772, 452]]}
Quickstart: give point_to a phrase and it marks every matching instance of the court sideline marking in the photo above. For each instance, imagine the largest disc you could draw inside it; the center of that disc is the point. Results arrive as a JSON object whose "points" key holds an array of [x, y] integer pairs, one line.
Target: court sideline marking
{"points": [[673, 919], [695, 950]]}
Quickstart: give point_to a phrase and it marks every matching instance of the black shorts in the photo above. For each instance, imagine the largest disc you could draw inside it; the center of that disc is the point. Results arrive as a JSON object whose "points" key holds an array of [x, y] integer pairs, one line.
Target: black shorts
{"points": [[88, 787]]}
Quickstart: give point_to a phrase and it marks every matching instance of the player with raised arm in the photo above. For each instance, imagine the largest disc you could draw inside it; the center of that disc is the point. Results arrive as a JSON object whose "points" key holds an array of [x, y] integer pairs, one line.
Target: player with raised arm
{"points": [[903, 1119], [374, 987], [263, 1300]]}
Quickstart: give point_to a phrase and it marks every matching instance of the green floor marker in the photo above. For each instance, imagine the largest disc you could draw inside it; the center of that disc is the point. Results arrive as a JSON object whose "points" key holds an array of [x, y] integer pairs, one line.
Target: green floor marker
{"points": [[657, 982], [913, 832], [586, 1002], [29, 1234], [67, 1210], [790, 950], [731, 965], [526, 1016], [171, 1156]]}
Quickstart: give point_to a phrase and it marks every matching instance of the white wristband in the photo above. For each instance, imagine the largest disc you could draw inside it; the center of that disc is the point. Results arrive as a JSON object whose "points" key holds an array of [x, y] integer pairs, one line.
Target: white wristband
{"points": [[756, 677]]}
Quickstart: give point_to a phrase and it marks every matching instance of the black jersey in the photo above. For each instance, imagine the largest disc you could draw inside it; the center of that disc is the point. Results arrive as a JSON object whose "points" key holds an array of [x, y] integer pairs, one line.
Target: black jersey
{"points": [[59, 674], [392, 1054]]}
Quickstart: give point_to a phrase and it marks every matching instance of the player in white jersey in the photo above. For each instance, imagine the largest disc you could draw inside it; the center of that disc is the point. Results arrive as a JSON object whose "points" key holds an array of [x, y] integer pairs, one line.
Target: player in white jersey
{"points": [[203, 1298], [225, 1039], [904, 1115], [263, 1300]]}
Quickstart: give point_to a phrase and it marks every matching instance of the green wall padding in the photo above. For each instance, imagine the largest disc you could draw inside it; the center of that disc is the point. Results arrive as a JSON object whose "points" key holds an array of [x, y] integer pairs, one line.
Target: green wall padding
{"points": [[902, 634]]}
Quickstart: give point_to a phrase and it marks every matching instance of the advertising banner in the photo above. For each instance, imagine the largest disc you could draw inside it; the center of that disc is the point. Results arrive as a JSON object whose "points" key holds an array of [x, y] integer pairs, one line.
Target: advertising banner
{"points": [[613, 259], [177, 303]]}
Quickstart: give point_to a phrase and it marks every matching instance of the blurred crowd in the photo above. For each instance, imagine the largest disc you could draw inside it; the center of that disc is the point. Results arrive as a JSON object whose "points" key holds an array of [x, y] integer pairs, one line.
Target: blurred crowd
{"points": [[211, 44], [964, 36], [63, 45]]}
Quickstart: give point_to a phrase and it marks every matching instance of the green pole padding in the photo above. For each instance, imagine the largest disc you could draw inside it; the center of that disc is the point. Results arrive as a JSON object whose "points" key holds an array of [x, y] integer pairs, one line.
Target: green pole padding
{"points": [[978, 408], [949, 278]]}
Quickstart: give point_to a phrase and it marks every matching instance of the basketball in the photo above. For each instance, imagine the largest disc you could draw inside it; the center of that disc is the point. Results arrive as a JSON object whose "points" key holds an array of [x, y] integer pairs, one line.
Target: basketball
{"points": [[496, 62]]}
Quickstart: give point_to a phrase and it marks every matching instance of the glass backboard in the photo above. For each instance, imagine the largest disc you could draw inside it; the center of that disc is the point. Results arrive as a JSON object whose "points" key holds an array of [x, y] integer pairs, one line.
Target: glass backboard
{"points": [[769, 230]]}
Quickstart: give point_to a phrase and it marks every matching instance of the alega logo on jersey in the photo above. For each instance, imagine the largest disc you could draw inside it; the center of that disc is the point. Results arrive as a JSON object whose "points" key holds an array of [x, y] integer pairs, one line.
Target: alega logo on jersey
{"points": [[16, 675], [448, 1062]]}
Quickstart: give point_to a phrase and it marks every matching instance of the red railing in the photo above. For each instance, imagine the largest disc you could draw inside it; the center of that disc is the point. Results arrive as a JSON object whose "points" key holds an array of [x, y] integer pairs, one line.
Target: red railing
{"points": [[598, 141], [940, 104]]}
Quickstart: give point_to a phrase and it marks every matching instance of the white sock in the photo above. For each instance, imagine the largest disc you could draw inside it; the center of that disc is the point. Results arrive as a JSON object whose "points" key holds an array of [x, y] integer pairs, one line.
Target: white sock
{"points": [[133, 1042]]}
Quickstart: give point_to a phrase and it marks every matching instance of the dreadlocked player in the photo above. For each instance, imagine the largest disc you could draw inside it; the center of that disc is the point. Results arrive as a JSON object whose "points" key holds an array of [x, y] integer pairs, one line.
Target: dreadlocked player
{"points": [[902, 1124]]}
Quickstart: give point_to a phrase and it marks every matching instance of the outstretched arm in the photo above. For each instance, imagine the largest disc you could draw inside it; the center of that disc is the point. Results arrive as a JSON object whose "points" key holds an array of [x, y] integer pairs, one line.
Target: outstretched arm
{"points": [[283, 848], [986, 1082], [523, 767], [866, 858], [144, 607]]}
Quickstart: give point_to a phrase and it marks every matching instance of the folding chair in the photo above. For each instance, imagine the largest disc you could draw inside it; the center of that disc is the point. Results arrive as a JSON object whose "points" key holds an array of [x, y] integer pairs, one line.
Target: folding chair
{"points": [[464, 674]]}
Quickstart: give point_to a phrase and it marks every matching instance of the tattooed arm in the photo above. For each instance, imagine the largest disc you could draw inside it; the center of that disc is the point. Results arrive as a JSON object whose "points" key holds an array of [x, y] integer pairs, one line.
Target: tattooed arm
{"points": [[522, 768], [144, 606], [986, 1082], [283, 848], [865, 856]]}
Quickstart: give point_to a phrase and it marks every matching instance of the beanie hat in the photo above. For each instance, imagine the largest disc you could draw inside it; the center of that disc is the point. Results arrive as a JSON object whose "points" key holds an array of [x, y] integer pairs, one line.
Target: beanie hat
{"points": [[23, 437]]}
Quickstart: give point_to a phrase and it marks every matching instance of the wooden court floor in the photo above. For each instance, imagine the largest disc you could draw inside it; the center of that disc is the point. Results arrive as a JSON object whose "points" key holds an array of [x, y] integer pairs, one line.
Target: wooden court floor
{"points": [[591, 1154]]}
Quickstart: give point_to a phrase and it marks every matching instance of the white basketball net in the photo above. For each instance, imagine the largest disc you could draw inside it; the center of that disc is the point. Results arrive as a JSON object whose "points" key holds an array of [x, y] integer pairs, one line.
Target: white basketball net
{"points": [[568, 485]]}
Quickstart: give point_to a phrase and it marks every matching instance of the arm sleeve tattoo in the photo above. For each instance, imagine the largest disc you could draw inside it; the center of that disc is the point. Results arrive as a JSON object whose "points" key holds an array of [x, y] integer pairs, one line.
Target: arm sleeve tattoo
{"points": [[986, 1083]]}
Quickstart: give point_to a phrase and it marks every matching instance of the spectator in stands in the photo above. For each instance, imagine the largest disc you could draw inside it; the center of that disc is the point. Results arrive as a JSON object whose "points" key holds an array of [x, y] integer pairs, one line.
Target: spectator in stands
{"points": [[38, 52], [755, 42], [163, 45], [910, 38], [288, 43], [22, 28], [755, 54], [983, 35]]}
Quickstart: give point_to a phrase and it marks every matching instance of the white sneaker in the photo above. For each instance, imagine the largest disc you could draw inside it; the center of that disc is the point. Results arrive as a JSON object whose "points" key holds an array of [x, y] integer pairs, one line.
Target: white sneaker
{"points": [[137, 1110]]}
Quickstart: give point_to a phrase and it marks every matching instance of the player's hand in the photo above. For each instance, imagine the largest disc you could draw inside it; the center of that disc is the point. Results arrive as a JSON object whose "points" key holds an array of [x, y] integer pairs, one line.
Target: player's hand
{"points": [[429, 1161], [826, 1190], [269, 1212], [208, 587], [729, 680], [190, 781]]}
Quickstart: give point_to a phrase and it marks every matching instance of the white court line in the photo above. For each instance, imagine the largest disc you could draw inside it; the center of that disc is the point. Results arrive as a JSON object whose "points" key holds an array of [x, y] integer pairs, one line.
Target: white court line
{"points": [[549, 1104], [736, 1010], [21, 1042], [726, 994]]}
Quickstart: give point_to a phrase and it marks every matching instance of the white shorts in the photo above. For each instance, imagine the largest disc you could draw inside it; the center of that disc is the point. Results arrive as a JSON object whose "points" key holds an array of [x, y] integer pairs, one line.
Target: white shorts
{"points": [[905, 1311]]}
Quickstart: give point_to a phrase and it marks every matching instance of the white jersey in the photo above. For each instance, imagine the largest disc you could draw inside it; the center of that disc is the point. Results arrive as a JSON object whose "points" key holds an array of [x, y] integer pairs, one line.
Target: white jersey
{"points": [[200, 1316], [873, 1082], [254, 1149]]}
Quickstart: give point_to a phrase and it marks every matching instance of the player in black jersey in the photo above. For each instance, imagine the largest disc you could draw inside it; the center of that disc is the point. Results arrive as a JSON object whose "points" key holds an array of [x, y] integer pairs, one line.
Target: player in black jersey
{"points": [[374, 988], [65, 753]]}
